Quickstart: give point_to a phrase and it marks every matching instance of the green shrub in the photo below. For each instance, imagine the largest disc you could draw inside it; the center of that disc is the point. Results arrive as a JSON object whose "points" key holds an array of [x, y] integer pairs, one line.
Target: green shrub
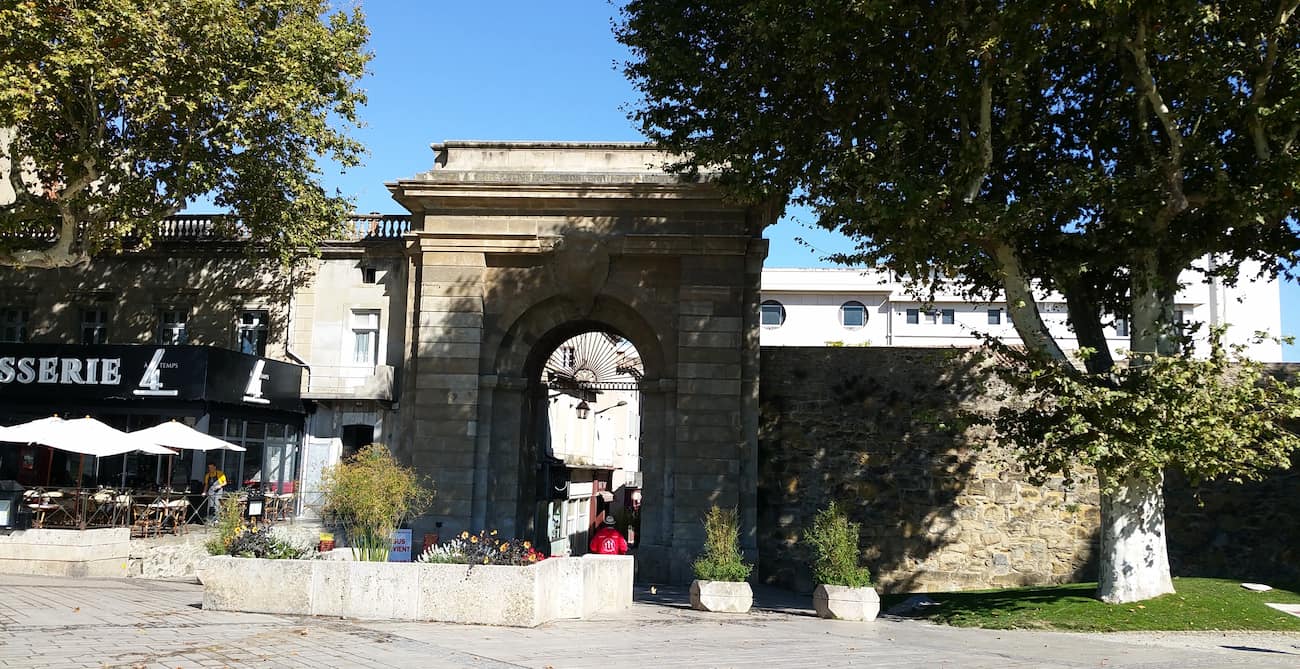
{"points": [[262, 544], [370, 493], [834, 541], [230, 523], [721, 559]]}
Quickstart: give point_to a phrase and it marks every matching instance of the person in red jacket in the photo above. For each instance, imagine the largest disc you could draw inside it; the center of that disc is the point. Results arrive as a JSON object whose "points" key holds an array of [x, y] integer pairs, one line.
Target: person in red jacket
{"points": [[608, 540]]}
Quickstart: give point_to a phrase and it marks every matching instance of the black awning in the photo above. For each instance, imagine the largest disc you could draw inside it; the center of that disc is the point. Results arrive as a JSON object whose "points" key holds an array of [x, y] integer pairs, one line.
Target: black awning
{"points": [[70, 374]]}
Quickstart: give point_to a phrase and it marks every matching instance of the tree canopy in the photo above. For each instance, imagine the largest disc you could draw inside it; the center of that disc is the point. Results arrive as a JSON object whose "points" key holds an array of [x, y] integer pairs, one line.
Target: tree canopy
{"points": [[1097, 149], [117, 113]]}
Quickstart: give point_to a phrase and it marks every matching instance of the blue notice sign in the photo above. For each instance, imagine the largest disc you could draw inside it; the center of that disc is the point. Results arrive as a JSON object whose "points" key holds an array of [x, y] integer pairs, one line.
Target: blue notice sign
{"points": [[401, 547]]}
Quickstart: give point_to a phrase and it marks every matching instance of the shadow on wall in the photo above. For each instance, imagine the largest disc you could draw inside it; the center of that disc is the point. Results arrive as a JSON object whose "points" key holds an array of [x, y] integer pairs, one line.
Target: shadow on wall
{"points": [[1248, 531], [882, 431]]}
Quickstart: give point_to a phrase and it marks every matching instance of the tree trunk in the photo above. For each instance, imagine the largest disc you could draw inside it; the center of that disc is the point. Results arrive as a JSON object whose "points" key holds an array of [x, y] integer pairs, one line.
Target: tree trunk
{"points": [[1134, 562]]}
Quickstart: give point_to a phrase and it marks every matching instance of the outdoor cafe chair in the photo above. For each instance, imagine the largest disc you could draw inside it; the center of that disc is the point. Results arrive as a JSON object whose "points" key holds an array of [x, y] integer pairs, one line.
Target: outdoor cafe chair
{"points": [[175, 512], [148, 518], [101, 508]]}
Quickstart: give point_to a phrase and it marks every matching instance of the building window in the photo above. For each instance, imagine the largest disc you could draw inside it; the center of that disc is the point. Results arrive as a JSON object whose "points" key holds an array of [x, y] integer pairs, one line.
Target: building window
{"points": [[94, 326], [913, 316], [853, 314], [995, 317], [369, 275], [772, 314], [13, 326], [949, 316], [171, 327], [252, 331], [1121, 326], [932, 316], [365, 337]]}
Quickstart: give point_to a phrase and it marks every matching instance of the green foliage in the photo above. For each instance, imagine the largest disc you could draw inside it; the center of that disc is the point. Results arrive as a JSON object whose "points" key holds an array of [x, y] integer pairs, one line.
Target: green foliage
{"points": [[1201, 604], [834, 541], [230, 523], [370, 493], [257, 543], [1221, 417], [721, 559], [122, 112]]}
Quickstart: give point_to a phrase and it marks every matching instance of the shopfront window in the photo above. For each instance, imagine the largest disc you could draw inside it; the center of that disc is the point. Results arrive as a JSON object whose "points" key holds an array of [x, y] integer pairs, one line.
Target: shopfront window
{"points": [[13, 326], [270, 458]]}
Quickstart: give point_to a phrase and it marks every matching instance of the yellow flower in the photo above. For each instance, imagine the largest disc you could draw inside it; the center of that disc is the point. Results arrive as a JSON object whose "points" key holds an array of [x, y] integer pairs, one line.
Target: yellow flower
{"points": [[464, 535], [485, 560], [532, 557], [528, 544], [494, 533], [473, 539], [504, 547]]}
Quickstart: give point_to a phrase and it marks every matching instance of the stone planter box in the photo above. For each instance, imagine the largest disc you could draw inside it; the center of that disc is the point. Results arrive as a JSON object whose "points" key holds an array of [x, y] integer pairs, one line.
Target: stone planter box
{"points": [[841, 602], [98, 553], [553, 589], [721, 596]]}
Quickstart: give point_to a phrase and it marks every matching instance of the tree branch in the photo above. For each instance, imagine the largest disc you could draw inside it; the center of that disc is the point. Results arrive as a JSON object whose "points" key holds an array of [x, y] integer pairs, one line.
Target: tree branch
{"points": [[1174, 166], [985, 131], [1285, 10], [1021, 304]]}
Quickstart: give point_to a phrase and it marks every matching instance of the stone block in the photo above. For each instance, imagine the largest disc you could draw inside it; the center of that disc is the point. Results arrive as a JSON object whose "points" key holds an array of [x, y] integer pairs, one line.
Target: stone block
{"points": [[252, 584], [721, 596], [841, 602]]}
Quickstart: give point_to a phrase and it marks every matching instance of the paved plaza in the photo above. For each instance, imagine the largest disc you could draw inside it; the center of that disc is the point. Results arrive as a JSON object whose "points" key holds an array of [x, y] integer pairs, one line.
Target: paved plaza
{"points": [[49, 623]]}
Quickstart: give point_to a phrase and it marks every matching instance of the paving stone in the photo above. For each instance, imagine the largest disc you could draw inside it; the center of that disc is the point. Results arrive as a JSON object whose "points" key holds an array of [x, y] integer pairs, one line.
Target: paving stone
{"points": [[125, 624]]}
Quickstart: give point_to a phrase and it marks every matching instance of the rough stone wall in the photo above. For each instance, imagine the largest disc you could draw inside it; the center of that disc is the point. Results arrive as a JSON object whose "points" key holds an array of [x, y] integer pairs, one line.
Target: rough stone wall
{"points": [[879, 431]]}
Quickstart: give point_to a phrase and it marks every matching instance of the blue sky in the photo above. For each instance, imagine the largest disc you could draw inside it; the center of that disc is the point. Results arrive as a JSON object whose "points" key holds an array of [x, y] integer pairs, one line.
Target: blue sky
{"points": [[510, 70]]}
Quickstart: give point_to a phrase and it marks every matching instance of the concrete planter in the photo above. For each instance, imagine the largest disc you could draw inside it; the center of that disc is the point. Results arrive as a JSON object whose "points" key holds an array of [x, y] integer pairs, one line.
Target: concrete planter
{"points": [[98, 553], [721, 596], [841, 602], [480, 594]]}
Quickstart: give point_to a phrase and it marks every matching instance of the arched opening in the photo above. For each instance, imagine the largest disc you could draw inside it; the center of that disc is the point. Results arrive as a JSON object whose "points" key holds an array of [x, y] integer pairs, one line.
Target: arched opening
{"points": [[586, 409]]}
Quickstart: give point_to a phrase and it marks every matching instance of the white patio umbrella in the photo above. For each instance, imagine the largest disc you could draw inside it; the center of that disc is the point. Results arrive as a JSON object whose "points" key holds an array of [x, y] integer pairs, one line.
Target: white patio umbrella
{"points": [[175, 434], [83, 436]]}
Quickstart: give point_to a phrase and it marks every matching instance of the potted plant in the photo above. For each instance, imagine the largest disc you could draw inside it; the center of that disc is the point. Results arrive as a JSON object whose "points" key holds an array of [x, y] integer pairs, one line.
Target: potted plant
{"points": [[720, 571], [370, 493], [844, 591]]}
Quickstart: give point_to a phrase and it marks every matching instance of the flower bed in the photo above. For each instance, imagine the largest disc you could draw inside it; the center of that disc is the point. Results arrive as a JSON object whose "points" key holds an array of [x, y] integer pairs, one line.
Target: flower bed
{"points": [[526, 596]]}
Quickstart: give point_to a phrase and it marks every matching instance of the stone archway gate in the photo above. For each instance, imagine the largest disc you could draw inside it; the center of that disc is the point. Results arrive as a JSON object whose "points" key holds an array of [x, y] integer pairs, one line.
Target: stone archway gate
{"points": [[516, 246]]}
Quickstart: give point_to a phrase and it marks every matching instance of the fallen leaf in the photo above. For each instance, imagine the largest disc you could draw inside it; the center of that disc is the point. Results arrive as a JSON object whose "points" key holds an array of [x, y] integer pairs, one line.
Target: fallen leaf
{"points": [[77, 610]]}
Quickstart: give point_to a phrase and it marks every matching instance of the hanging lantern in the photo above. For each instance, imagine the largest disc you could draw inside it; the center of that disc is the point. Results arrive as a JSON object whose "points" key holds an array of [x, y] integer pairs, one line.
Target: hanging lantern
{"points": [[583, 409]]}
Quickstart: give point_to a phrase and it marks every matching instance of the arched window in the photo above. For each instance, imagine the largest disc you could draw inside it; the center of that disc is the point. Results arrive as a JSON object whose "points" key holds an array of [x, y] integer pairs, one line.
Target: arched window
{"points": [[853, 314], [771, 314]]}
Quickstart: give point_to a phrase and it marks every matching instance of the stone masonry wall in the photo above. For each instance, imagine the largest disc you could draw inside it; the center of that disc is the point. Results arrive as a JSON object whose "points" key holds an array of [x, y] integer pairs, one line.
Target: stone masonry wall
{"points": [[878, 430]]}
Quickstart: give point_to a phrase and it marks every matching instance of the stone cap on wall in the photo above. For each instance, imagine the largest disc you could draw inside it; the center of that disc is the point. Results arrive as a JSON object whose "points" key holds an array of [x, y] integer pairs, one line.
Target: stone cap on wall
{"points": [[600, 157]]}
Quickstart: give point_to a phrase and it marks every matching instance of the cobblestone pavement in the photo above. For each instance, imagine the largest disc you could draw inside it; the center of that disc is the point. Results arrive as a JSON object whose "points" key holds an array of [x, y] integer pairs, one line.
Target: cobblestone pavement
{"points": [[53, 622]]}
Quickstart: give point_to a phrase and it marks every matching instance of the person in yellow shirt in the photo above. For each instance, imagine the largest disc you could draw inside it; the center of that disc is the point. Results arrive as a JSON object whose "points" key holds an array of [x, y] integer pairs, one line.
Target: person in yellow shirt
{"points": [[213, 483]]}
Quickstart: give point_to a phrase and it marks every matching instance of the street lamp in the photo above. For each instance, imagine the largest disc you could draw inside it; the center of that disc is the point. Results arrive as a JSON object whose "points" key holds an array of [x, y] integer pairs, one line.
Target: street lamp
{"points": [[621, 403]]}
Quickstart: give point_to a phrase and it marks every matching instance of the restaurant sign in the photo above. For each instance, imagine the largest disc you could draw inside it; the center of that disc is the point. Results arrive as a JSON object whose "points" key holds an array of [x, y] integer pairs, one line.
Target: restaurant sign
{"points": [[66, 372]]}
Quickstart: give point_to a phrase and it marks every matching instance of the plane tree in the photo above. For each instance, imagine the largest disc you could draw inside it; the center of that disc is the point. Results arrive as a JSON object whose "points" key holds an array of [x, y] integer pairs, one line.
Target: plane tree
{"points": [[1096, 149], [115, 114]]}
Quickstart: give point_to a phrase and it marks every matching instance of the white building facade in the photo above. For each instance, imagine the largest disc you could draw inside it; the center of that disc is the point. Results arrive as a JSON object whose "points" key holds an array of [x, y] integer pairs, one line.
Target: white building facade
{"points": [[850, 307]]}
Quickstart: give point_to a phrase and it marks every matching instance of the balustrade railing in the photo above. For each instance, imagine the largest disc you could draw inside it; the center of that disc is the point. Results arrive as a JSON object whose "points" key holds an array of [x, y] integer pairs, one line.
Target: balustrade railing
{"points": [[218, 227]]}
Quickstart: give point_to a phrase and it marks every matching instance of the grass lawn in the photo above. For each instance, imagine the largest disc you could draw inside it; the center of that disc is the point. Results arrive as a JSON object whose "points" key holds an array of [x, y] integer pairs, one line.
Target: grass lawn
{"points": [[1198, 604]]}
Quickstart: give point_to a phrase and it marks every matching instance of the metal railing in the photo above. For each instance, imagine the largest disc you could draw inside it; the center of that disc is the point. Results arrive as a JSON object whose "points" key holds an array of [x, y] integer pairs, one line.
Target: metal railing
{"points": [[220, 227]]}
